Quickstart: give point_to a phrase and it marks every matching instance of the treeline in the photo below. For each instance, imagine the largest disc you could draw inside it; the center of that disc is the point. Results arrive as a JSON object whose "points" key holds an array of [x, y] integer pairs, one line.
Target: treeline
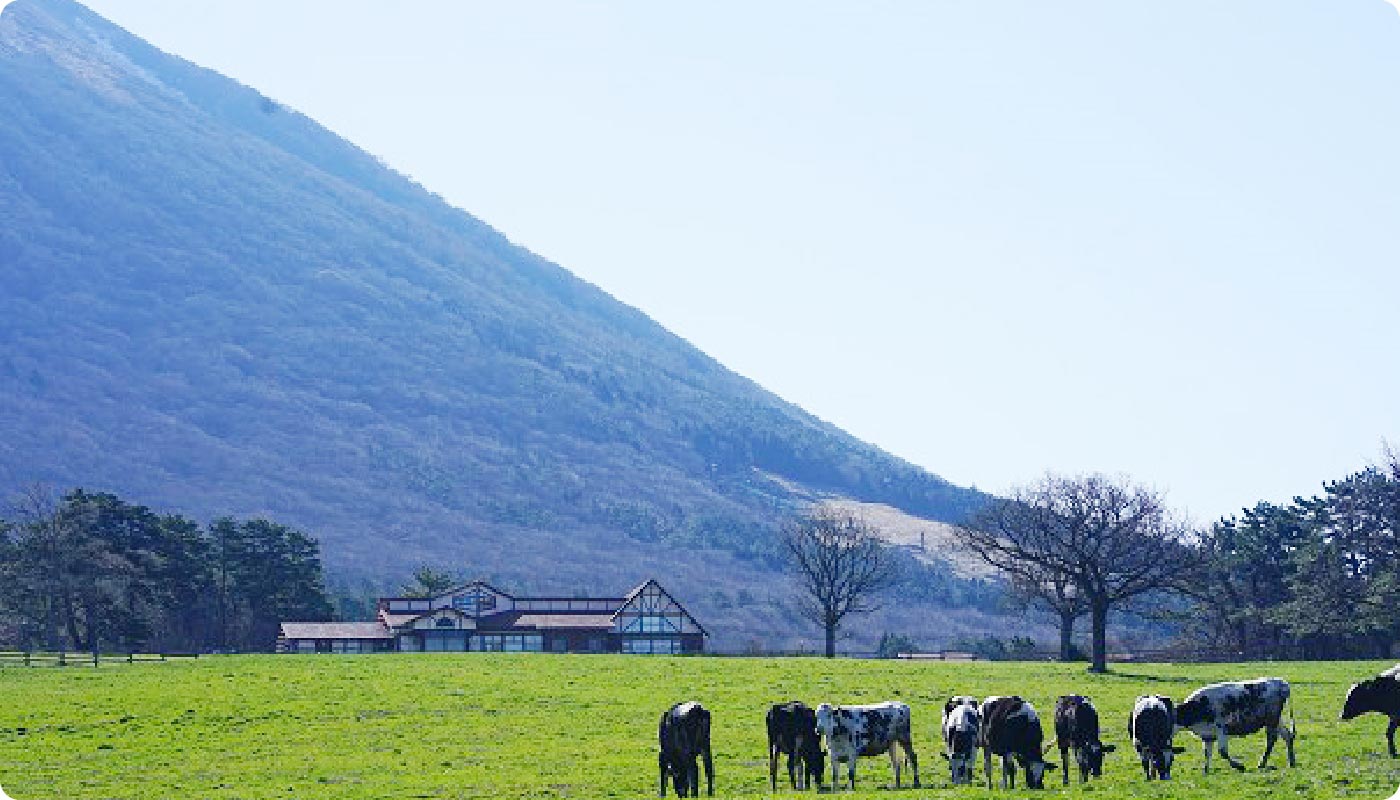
{"points": [[1316, 578], [90, 571]]}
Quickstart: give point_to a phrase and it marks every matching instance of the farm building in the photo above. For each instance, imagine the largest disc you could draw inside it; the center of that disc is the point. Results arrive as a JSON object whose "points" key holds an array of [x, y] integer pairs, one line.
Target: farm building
{"points": [[479, 617]]}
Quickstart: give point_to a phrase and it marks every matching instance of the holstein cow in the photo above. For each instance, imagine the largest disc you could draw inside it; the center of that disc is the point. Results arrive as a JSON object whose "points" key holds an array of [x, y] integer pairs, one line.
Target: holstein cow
{"points": [[1077, 729], [1380, 695], [1151, 727], [792, 729], [684, 737], [1011, 729], [1221, 710], [961, 723], [854, 731]]}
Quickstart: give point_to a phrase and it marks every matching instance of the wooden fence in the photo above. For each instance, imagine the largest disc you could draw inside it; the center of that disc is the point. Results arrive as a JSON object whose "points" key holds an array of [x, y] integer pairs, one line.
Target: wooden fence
{"points": [[19, 658]]}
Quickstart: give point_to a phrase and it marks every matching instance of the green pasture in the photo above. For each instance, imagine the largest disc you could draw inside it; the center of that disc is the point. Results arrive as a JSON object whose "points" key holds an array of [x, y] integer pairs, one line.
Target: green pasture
{"points": [[531, 725]]}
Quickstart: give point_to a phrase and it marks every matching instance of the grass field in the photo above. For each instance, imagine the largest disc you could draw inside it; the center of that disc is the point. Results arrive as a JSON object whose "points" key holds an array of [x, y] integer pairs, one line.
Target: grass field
{"points": [[500, 725]]}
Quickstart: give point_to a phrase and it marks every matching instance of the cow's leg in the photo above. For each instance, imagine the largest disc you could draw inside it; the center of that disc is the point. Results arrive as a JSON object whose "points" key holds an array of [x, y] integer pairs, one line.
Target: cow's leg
{"points": [[1225, 751], [661, 762], [1064, 761], [1270, 737], [851, 771], [835, 779], [913, 760], [794, 778], [1289, 734], [1146, 764], [1207, 745], [1390, 734], [987, 765], [1008, 772], [709, 774], [773, 767]]}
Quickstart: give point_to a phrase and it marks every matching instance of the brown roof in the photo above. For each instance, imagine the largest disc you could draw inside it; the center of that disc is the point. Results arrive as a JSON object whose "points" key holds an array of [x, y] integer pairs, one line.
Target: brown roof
{"points": [[335, 630], [579, 621]]}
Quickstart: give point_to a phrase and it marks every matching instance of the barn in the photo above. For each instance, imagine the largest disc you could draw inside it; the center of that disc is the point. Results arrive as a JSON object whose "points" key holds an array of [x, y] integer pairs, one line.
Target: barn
{"points": [[478, 617]]}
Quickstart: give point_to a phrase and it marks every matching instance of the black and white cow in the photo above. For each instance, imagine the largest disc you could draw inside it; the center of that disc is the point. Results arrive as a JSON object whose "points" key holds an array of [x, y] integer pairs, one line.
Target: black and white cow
{"points": [[854, 731], [1221, 710], [685, 736], [961, 723], [1151, 727], [1077, 729], [1380, 695], [792, 730], [1011, 729]]}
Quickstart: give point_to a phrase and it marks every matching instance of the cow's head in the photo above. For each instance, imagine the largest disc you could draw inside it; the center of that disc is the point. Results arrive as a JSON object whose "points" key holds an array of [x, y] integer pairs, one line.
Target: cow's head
{"points": [[1035, 768], [1362, 698], [826, 719], [1090, 756]]}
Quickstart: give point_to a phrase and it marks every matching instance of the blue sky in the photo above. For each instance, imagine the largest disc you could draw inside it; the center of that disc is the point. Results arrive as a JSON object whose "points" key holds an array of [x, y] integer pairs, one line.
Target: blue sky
{"points": [[994, 238]]}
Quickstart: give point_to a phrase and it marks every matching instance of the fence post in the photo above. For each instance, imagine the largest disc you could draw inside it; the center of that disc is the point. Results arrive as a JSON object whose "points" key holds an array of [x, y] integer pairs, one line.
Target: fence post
{"points": [[62, 658], [27, 656]]}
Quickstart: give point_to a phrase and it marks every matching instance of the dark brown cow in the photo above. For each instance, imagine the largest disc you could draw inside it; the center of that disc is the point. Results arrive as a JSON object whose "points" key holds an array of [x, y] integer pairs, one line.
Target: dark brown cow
{"points": [[685, 736], [1077, 729], [792, 730], [1011, 729], [1379, 695]]}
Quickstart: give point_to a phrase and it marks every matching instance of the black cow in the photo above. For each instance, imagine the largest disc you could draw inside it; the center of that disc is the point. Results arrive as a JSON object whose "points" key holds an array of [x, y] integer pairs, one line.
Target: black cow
{"points": [[1151, 727], [1077, 728], [1380, 695], [685, 736], [792, 730], [1011, 729], [1221, 710]]}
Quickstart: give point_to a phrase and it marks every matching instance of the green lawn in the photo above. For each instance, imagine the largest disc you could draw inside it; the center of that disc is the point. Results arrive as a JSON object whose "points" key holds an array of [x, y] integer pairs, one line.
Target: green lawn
{"points": [[500, 725]]}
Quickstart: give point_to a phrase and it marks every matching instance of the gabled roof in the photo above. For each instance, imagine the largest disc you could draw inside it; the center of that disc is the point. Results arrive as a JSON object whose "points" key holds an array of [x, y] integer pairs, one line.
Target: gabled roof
{"points": [[454, 590], [632, 595]]}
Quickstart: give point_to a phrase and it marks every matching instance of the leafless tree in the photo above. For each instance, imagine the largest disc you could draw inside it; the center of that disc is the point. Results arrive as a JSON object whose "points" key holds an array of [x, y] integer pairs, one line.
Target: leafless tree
{"points": [[1107, 538], [841, 568], [1052, 591]]}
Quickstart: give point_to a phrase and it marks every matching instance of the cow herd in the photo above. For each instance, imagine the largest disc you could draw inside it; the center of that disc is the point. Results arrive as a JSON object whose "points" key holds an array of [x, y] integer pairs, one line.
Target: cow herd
{"points": [[1009, 728]]}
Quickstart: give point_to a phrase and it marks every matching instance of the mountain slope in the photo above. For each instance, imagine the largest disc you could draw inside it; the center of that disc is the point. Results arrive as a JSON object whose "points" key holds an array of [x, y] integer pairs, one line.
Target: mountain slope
{"points": [[215, 305]]}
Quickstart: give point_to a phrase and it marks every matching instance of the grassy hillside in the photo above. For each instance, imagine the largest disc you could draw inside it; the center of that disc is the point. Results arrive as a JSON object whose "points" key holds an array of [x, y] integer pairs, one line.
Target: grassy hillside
{"points": [[214, 305], [576, 726]]}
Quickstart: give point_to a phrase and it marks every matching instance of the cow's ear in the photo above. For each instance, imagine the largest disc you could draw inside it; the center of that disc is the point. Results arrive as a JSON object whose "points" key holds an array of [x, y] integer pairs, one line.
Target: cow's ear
{"points": [[1178, 750], [1109, 748]]}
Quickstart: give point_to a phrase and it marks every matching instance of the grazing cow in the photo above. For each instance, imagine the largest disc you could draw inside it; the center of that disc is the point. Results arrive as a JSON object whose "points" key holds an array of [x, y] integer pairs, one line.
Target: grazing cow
{"points": [[961, 722], [1239, 708], [684, 736], [1011, 729], [1077, 729], [1380, 695], [1151, 728], [854, 731], [792, 729]]}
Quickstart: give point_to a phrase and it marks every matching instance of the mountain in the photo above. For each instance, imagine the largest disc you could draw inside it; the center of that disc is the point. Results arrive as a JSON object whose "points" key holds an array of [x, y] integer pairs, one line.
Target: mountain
{"points": [[214, 305]]}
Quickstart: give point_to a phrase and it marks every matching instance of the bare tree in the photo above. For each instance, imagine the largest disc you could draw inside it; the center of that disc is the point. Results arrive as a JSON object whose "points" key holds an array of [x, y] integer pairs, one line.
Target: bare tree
{"points": [[841, 567], [1052, 591], [1109, 539]]}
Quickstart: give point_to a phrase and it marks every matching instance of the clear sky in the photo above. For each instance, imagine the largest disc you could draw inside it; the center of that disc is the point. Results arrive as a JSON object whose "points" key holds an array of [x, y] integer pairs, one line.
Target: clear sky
{"points": [[992, 237]]}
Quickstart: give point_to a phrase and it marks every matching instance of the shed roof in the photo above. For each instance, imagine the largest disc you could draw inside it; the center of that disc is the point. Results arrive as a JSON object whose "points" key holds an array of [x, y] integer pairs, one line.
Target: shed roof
{"points": [[556, 621], [335, 630]]}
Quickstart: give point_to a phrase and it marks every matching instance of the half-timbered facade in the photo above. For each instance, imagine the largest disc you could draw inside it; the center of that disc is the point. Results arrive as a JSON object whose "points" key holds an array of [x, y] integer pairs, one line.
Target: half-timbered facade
{"points": [[478, 617]]}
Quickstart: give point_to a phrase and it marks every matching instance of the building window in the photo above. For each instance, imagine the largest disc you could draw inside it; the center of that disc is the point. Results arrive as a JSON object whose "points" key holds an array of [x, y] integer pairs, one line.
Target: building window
{"points": [[446, 622], [650, 623], [649, 646], [509, 642]]}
